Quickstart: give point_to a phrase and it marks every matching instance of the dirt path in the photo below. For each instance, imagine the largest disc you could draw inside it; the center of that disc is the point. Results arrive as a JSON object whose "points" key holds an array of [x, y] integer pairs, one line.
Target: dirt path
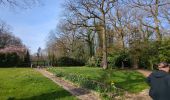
{"points": [[146, 73], [140, 96], [144, 95], [80, 93]]}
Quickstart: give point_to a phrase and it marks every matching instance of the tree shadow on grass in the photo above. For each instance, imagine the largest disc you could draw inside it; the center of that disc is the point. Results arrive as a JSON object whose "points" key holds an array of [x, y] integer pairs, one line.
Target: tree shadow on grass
{"points": [[133, 82], [127, 80], [57, 95], [80, 91]]}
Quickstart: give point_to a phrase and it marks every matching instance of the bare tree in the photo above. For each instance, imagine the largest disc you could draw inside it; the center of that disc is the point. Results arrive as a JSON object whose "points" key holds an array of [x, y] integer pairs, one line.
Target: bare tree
{"points": [[6, 37], [166, 13], [4, 27], [119, 21], [89, 38], [152, 11], [89, 11], [68, 42], [24, 4]]}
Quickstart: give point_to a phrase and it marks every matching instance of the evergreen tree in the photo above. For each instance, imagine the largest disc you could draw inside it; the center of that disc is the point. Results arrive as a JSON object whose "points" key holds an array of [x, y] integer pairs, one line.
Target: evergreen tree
{"points": [[27, 60]]}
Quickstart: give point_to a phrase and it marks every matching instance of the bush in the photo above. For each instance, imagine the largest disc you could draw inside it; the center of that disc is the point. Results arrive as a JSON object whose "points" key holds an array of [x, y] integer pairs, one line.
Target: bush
{"points": [[94, 62], [116, 59], [154, 54], [91, 62], [164, 51], [2, 59], [13, 60], [105, 88], [66, 61], [84, 81], [9, 59]]}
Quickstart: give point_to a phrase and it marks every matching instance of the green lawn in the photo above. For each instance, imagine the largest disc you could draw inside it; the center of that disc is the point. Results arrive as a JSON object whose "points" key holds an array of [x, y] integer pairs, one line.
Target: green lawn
{"points": [[128, 80], [27, 84]]}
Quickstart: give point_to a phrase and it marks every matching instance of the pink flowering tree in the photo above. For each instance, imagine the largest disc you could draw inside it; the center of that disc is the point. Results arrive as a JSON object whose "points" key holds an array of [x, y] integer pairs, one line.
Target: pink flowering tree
{"points": [[14, 56], [20, 50]]}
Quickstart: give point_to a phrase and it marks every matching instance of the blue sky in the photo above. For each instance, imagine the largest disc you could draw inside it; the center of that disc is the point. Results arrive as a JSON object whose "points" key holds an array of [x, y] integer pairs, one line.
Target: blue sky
{"points": [[33, 25]]}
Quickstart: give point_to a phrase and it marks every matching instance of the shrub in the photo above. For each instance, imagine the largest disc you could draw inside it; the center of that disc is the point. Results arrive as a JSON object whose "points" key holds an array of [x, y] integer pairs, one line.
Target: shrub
{"points": [[164, 51], [91, 62], [12, 60], [83, 81], [2, 59], [154, 54], [94, 62], [66, 61], [59, 74], [9, 59], [116, 59], [105, 88]]}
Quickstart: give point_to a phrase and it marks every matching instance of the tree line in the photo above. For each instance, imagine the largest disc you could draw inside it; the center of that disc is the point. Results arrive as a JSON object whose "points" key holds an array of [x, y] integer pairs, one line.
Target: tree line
{"points": [[12, 51], [113, 32]]}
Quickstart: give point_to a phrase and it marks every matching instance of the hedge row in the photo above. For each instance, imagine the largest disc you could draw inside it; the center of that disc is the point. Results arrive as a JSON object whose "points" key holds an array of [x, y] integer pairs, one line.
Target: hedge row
{"points": [[11, 60], [66, 61]]}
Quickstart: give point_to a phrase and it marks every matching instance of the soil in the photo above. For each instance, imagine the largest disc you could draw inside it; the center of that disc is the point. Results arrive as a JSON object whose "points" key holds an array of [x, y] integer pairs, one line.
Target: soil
{"points": [[146, 73]]}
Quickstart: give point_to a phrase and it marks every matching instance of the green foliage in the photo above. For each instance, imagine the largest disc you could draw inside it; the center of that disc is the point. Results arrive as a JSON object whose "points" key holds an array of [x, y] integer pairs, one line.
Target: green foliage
{"points": [[119, 59], [104, 87], [154, 53], [85, 82], [60, 74], [13, 60], [27, 61], [94, 62], [9, 59], [148, 55], [104, 81], [39, 63], [2, 59], [91, 62], [164, 51], [28, 84], [143, 54], [66, 61]]}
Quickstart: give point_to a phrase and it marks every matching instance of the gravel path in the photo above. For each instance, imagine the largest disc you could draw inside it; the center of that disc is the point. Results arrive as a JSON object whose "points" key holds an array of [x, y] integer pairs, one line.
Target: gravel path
{"points": [[140, 96], [146, 73], [80, 93]]}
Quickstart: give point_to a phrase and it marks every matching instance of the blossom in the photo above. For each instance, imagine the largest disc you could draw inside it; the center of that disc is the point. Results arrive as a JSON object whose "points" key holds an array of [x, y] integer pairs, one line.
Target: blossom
{"points": [[20, 50]]}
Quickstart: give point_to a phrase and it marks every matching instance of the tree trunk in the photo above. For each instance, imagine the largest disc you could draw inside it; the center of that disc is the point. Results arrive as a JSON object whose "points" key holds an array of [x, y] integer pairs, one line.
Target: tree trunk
{"points": [[91, 48], [151, 65], [122, 65], [121, 43], [122, 40], [135, 63], [156, 21], [105, 64]]}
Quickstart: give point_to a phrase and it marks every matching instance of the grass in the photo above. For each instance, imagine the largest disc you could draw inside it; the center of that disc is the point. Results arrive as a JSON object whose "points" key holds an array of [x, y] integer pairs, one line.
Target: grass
{"points": [[27, 84], [129, 80]]}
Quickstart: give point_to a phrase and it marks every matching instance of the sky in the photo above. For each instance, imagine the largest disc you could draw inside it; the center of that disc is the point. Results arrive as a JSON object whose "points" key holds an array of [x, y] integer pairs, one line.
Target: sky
{"points": [[33, 25]]}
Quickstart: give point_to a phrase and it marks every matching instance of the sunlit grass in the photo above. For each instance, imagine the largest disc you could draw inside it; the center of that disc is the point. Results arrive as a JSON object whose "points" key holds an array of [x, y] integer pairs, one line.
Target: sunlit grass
{"points": [[27, 84], [129, 80]]}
